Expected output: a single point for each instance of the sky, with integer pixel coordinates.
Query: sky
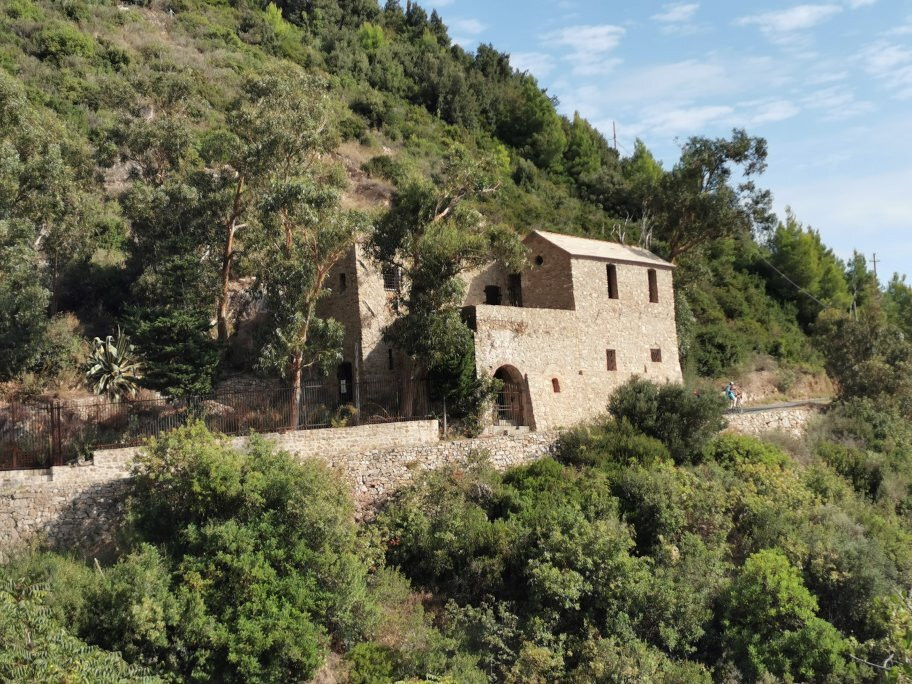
(828, 84)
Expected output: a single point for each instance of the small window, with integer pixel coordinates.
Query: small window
(655, 355)
(611, 359)
(514, 289)
(492, 295)
(392, 278)
(539, 260)
(390, 361)
(612, 281)
(343, 283)
(555, 385)
(653, 287)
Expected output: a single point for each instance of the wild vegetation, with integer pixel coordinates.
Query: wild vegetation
(161, 156)
(161, 160)
(649, 548)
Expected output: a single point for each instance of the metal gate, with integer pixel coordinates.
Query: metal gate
(508, 409)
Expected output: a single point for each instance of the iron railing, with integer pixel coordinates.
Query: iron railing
(42, 434)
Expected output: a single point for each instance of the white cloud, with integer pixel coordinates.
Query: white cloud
(855, 4)
(539, 64)
(680, 120)
(677, 12)
(836, 103)
(586, 38)
(471, 27)
(770, 112)
(589, 46)
(798, 18)
(891, 64)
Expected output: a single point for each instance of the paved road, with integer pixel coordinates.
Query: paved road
(782, 405)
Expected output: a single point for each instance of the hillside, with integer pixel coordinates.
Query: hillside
(119, 122)
(168, 166)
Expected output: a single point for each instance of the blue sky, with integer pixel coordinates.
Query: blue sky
(828, 84)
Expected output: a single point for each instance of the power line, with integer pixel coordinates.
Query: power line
(790, 280)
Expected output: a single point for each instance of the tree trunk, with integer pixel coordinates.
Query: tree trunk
(407, 398)
(222, 313)
(227, 258)
(296, 363)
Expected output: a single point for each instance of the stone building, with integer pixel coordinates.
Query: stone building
(581, 319)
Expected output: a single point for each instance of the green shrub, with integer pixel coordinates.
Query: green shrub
(264, 550)
(59, 41)
(863, 470)
(385, 167)
(372, 664)
(684, 422)
(35, 647)
(730, 450)
(771, 626)
(611, 443)
(179, 355)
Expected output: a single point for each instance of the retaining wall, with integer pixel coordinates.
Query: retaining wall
(793, 420)
(78, 507)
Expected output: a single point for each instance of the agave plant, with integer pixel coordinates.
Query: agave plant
(113, 368)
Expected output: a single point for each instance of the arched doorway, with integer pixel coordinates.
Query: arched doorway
(509, 408)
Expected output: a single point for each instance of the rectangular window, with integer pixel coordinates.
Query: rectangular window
(389, 359)
(392, 278)
(612, 281)
(343, 283)
(514, 289)
(656, 355)
(611, 359)
(653, 287)
(492, 295)
(555, 385)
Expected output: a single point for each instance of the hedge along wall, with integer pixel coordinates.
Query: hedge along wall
(79, 507)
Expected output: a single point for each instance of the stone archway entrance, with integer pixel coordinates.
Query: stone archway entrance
(510, 403)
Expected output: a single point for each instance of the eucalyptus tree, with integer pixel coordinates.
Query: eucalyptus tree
(277, 129)
(434, 232)
(306, 232)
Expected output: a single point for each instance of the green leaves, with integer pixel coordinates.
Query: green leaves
(113, 368)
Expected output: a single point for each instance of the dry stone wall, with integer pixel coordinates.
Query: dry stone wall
(78, 507)
(792, 420)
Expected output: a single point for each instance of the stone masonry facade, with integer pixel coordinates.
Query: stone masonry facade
(78, 508)
(582, 318)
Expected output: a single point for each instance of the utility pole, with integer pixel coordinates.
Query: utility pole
(874, 261)
(614, 135)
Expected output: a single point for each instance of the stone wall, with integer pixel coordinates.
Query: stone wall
(78, 507)
(792, 420)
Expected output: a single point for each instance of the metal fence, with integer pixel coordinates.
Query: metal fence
(39, 435)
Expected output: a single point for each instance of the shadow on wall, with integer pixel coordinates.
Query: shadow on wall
(89, 525)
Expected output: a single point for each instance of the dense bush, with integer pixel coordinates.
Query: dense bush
(682, 421)
(36, 647)
(178, 352)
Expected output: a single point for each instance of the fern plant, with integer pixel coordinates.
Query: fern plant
(113, 368)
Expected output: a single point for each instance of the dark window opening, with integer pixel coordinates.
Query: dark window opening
(343, 283)
(611, 359)
(612, 281)
(656, 355)
(389, 359)
(344, 375)
(539, 260)
(653, 287)
(555, 385)
(514, 289)
(492, 295)
(392, 278)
